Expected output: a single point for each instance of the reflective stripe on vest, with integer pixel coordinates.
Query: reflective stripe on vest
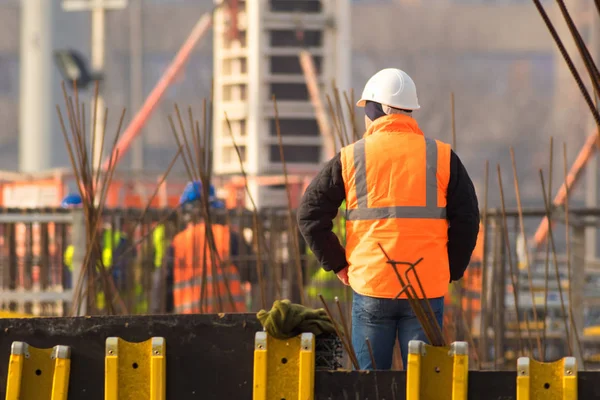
(395, 182)
(364, 212)
(110, 239)
(160, 244)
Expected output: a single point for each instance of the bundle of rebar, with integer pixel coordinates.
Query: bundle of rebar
(93, 192)
(93, 185)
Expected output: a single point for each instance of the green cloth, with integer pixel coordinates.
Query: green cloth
(287, 320)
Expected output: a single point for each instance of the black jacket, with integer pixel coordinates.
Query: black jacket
(325, 194)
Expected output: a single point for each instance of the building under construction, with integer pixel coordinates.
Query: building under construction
(523, 324)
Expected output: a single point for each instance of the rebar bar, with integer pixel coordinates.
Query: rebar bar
(347, 345)
(484, 281)
(568, 251)
(558, 281)
(570, 65)
(431, 330)
(453, 120)
(581, 46)
(547, 260)
(347, 330)
(255, 218)
(527, 260)
(292, 224)
(510, 261)
(373, 363)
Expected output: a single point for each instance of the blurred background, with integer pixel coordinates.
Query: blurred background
(510, 85)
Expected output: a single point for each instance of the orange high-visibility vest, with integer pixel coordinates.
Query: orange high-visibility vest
(396, 182)
(216, 288)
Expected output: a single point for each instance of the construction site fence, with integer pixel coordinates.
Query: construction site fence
(554, 283)
(33, 271)
(34, 276)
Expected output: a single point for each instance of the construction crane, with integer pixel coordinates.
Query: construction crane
(139, 120)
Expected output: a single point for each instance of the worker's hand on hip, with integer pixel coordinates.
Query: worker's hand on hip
(343, 276)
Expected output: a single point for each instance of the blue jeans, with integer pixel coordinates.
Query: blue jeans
(381, 321)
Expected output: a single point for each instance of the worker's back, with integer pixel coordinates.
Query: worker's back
(396, 182)
(216, 288)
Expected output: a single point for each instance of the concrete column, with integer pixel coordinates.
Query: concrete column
(36, 68)
(97, 62)
(256, 96)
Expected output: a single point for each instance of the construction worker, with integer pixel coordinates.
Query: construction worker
(409, 194)
(323, 282)
(195, 288)
(71, 201)
(160, 245)
(115, 250)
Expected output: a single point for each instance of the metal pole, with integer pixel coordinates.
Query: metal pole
(578, 282)
(35, 112)
(500, 326)
(98, 45)
(136, 54)
(591, 201)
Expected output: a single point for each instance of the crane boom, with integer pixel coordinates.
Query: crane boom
(586, 152)
(140, 119)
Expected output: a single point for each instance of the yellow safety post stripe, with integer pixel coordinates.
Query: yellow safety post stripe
(523, 379)
(38, 373)
(413, 369)
(459, 351)
(260, 366)
(554, 380)
(111, 369)
(306, 376)
(158, 375)
(437, 372)
(10, 314)
(135, 370)
(62, 368)
(15, 370)
(569, 378)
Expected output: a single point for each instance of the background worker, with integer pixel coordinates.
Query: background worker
(195, 288)
(409, 193)
(117, 257)
(71, 201)
(160, 275)
(324, 282)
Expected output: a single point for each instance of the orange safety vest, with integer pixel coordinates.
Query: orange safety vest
(396, 182)
(218, 287)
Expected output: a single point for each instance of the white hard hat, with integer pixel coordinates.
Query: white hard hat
(391, 87)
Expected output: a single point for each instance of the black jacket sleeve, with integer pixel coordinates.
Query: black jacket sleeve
(318, 208)
(462, 212)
